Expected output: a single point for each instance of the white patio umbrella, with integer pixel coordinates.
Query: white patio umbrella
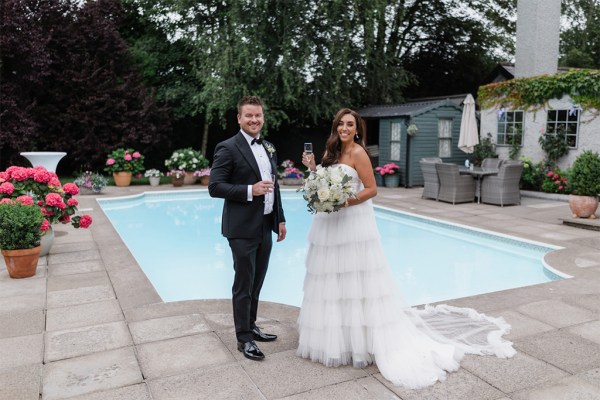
(469, 136)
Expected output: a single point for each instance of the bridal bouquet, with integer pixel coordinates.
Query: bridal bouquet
(327, 189)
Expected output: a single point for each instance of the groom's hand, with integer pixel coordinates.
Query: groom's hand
(261, 188)
(282, 232)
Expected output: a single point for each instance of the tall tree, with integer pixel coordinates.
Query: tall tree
(89, 99)
(580, 38)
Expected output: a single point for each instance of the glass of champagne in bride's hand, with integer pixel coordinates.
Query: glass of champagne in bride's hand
(308, 149)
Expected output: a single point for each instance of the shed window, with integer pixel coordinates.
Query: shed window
(566, 122)
(395, 141)
(445, 137)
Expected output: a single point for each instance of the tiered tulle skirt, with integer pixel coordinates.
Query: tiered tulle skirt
(353, 313)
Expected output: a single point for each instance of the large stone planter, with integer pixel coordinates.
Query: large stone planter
(583, 206)
(392, 180)
(46, 242)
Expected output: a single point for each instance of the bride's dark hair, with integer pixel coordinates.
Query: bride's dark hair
(333, 146)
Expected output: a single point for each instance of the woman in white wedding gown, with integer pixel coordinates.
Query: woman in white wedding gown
(353, 313)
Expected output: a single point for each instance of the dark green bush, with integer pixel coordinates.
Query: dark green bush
(485, 149)
(20, 226)
(584, 175)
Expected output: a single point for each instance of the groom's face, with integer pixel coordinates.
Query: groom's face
(251, 119)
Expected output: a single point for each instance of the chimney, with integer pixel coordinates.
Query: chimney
(538, 31)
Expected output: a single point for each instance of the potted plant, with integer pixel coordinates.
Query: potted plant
(153, 176)
(390, 173)
(177, 177)
(91, 182)
(43, 188)
(122, 164)
(203, 175)
(188, 160)
(584, 181)
(20, 237)
(289, 174)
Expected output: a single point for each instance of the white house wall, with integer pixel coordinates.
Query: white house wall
(535, 123)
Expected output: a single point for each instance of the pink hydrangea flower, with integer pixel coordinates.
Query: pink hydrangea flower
(85, 221)
(110, 161)
(127, 157)
(3, 176)
(136, 154)
(7, 188)
(45, 225)
(55, 200)
(71, 189)
(19, 174)
(26, 200)
(7, 201)
(72, 202)
(42, 176)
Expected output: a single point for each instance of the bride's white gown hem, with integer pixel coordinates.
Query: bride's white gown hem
(353, 313)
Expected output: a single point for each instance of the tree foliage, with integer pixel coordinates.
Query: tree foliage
(580, 39)
(68, 84)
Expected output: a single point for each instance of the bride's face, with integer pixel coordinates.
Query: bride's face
(346, 128)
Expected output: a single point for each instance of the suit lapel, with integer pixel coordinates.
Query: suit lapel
(244, 148)
(271, 158)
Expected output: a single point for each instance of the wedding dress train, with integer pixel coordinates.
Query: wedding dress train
(353, 313)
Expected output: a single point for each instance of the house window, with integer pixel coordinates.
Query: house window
(444, 137)
(565, 121)
(395, 141)
(510, 128)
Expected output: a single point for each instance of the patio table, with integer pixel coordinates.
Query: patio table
(479, 173)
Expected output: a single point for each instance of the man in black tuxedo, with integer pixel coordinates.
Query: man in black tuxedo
(243, 173)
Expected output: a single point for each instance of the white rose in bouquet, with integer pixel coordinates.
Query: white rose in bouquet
(327, 189)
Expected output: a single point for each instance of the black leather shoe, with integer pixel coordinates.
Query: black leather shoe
(260, 336)
(251, 351)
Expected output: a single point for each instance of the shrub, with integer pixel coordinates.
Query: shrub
(533, 174)
(555, 182)
(485, 149)
(20, 225)
(584, 174)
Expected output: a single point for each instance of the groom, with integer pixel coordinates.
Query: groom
(241, 174)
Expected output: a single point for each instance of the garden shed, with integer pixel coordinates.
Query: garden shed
(438, 128)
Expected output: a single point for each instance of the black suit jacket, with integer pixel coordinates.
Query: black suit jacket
(234, 168)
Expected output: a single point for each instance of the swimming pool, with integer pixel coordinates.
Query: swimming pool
(431, 260)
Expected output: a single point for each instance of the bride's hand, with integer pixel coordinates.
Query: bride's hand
(309, 161)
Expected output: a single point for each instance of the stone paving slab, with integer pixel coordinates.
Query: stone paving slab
(156, 329)
(21, 383)
(21, 324)
(284, 374)
(571, 388)
(89, 339)
(588, 330)
(91, 294)
(20, 287)
(91, 373)
(77, 267)
(557, 313)
(72, 247)
(559, 347)
(65, 282)
(21, 350)
(83, 315)
(350, 390)
(223, 383)
(509, 375)
(84, 255)
(522, 325)
(180, 355)
(134, 392)
(459, 385)
(23, 304)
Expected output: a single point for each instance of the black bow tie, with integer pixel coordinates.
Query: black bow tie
(255, 140)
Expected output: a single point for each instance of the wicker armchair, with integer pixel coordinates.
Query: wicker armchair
(454, 187)
(491, 163)
(431, 183)
(503, 188)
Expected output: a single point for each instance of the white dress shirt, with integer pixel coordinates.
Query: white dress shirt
(264, 165)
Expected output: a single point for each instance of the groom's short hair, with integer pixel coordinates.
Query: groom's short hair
(253, 100)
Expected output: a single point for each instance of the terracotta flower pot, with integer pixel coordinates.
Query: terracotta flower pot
(21, 263)
(177, 181)
(122, 178)
(204, 180)
(189, 178)
(583, 206)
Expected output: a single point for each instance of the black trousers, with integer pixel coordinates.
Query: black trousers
(250, 262)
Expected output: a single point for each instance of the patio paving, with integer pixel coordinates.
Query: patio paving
(89, 325)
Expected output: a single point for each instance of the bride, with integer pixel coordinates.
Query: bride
(353, 313)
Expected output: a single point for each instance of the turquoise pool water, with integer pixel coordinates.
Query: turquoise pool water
(431, 260)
